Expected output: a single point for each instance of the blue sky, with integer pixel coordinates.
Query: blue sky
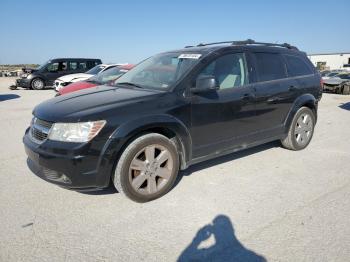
(129, 31)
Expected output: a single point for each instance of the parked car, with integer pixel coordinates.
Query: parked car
(324, 73)
(173, 110)
(103, 78)
(45, 74)
(72, 78)
(331, 74)
(339, 84)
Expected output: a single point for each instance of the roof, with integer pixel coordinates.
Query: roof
(68, 58)
(209, 49)
(246, 44)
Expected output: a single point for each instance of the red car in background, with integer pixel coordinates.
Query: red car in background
(103, 78)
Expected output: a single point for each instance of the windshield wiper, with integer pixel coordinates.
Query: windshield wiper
(129, 84)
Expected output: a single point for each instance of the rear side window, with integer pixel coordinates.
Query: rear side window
(270, 66)
(91, 64)
(82, 65)
(297, 66)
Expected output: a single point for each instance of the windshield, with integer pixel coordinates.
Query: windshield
(44, 65)
(160, 71)
(333, 74)
(108, 75)
(95, 70)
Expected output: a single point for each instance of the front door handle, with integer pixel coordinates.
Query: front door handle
(247, 97)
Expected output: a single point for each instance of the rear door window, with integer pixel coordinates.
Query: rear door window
(297, 66)
(73, 66)
(270, 66)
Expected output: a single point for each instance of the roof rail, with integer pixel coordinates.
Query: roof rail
(251, 42)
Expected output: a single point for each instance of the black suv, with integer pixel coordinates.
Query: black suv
(46, 74)
(173, 110)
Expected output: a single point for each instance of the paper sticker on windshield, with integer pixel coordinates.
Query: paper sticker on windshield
(190, 56)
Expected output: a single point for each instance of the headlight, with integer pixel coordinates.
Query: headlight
(75, 132)
(24, 75)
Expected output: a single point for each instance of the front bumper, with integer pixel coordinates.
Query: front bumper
(60, 84)
(332, 88)
(70, 165)
(23, 82)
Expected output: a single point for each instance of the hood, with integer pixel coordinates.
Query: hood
(29, 70)
(76, 86)
(334, 81)
(90, 104)
(74, 77)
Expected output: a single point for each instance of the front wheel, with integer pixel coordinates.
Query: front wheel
(37, 84)
(301, 130)
(147, 169)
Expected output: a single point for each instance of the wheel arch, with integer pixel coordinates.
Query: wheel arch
(307, 100)
(37, 77)
(166, 125)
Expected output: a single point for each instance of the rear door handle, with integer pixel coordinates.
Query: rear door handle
(292, 88)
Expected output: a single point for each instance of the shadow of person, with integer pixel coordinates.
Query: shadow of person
(345, 106)
(226, 248)
(8, 97)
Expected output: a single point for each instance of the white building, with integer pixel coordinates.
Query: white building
(331, 61)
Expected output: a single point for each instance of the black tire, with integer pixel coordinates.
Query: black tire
(37, 84)
(290, 142)
(122, 178)
(346, 90)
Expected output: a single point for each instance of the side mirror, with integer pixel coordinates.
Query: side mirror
(204, 84)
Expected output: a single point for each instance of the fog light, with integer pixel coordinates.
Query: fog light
(56, 176)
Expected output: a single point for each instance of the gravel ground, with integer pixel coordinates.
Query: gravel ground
(265, 203)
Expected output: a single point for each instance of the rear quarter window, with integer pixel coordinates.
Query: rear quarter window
(296, 66)
(270, 66)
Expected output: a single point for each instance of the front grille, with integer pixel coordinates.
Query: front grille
(43, 123)
(39, 130)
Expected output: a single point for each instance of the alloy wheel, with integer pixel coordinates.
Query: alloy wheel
(151, 169)
(303, 129)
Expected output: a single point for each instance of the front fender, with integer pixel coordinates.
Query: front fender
(305, 100)
(129, 130)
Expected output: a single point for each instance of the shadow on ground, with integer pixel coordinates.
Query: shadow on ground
(105, 191)
(226, 247)
(345, 106)
(8, 97)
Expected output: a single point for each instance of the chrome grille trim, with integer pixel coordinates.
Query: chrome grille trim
(39, 130)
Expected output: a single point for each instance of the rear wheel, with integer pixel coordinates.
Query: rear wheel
(301, 130)
(147, 168)
(346, 89)
(37, 84)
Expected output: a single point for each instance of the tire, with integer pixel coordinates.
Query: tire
(346, 90)
(37, 84)
(301, 130)
(144, 177)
